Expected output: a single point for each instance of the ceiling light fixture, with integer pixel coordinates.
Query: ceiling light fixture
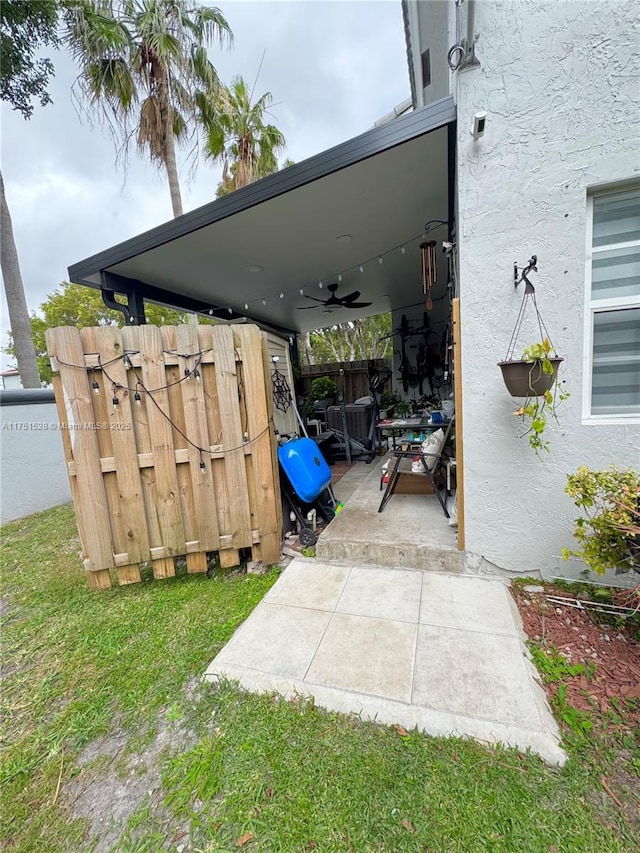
(254, 268)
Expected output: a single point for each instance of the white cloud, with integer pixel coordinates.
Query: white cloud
(333, 68)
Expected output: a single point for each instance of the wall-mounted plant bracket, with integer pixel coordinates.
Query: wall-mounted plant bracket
(520, 273)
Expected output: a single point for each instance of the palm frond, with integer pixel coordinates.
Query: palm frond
(151, 133)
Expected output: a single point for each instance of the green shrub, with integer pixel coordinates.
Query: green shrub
(608, 535)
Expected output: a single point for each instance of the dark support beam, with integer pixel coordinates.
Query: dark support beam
(138, 291)
(133, 311)
(451, 166)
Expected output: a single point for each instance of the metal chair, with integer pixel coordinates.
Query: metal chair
(431, 462)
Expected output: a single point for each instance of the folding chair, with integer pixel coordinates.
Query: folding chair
(431, 462)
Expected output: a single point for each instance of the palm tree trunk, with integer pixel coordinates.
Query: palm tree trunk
(169, 147)
(16, 302)
(172, 171)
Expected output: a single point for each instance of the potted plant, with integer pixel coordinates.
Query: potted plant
(404, 409)
(323, 390)
(538, 383)
(388, 403)
(533, 375)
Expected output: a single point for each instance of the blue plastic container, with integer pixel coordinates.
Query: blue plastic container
(305, 467)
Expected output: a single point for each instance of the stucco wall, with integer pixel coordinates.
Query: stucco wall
(33, 472)
(557, 82)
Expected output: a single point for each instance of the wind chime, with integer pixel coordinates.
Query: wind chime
(428, 252)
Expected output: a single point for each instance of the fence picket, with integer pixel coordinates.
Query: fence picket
(65, 346)
(138, 489)
(232, 437)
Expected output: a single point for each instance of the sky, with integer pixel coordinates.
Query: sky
(333, 67)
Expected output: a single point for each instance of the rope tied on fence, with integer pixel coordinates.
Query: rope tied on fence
(149, 392)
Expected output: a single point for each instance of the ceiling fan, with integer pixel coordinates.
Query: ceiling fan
(334, 302)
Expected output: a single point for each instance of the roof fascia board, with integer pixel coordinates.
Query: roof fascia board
(372, 142)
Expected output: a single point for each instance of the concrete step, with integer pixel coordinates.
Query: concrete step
(412, 532)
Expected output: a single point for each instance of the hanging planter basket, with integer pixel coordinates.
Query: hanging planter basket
(529, 378)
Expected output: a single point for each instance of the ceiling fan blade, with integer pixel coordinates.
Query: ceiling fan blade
(315, 298)
(307, 307)
(358, 304)
(350, 296)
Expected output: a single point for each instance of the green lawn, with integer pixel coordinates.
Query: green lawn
(274, 775)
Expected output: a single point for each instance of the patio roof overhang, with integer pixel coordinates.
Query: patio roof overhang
(280, 235)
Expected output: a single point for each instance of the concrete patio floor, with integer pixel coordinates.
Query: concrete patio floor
(444, 653)
(412, 531)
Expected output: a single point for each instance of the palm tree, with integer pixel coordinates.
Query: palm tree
(237, 136)
(25, 350)
(142, 62)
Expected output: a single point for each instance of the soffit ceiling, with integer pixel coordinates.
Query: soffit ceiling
(382, 202)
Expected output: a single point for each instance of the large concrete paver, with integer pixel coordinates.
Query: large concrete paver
(443, 653)
(373, 656)
(376, 592)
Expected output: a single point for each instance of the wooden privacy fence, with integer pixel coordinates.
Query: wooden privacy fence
(170, 447)
(356, 375)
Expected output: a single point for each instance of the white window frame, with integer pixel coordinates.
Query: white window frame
(596, 306)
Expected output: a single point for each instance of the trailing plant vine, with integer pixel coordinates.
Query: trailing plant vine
(536, 409)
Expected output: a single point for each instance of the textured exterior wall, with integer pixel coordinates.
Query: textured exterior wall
(34, 473)
(559, 83)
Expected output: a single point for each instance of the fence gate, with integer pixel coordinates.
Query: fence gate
(170, 447)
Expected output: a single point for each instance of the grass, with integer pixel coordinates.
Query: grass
(274, 775)
(85, 658)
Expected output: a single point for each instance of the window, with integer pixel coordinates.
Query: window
(612, 341)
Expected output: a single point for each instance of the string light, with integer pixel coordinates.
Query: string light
(380, 259)
(264, 301)
(95, 386)
(246, 307)
(361, 268)
(230, 310)
(211, 312)
(137, 397)
(203, 467)
(339, 277)
(302, 291)
(403, 250)
(320, 285)
(282, 296)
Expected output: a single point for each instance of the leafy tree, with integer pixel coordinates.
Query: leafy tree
(25, 27)
(80, 306)
(354, 340)
(142, 62)
(237, 136)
